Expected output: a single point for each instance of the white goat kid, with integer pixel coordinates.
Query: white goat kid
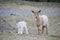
(21, 25)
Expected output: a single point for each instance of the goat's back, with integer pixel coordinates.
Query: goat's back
(45, 19)
(21, 23)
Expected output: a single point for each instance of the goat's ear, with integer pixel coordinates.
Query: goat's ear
(32, 11)
(39, 11)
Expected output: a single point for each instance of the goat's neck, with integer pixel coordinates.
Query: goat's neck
(38, 19)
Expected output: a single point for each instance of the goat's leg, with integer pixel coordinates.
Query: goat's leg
(21, 30)
(38, 27)
(42, 29)
(39, 30)
(46, 30)
(26, 30)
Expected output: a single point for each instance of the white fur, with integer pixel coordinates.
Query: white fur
(21, 25)
(45, 20)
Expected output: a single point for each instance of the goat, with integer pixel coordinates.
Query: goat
(41, 22)
(21, 25)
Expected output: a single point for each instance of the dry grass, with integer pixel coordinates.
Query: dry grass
(54, 31)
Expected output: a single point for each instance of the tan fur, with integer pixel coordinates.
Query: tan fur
(39, 22)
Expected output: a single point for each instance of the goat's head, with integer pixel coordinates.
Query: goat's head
(36, 14)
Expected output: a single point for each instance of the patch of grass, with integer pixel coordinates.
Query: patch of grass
(32, 28)
(55, 36)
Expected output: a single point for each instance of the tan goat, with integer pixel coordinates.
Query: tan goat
(41, 22)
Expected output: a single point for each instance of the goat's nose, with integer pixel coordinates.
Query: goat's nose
(36, 17)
